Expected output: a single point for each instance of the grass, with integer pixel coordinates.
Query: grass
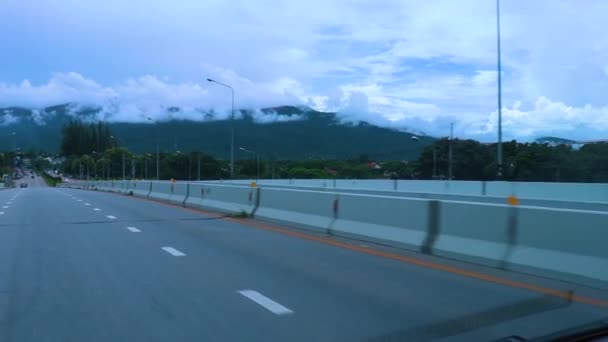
(50, 181)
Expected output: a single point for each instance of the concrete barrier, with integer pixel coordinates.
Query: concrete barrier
(300, 208)
(140, 188)
(600, 206)
(572, 192)
(474, 231)
(179, 193)
(569, 242)
(398, 221)
(223, 198)
(562, 243)
(161, 191)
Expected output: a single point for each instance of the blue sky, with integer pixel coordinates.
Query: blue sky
(416, 64)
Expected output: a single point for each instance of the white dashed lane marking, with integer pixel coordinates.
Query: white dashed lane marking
(134, 230)
(266, 302)
(173, 251)
(111, 217)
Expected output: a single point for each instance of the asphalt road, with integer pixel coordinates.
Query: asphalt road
(36, 182)
(91, 266)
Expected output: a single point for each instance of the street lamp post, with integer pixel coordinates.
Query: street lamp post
(257, 156)
(450, 151)
(434, 162)
(199, 167)
(146, 165)
(231, 126)
(499, 67)
(157, 155)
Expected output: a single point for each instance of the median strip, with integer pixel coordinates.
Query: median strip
(266, 302)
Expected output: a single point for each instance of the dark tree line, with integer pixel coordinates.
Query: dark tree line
(521, 161)
(80, 138)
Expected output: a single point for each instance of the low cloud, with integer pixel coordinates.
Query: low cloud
(137, 99)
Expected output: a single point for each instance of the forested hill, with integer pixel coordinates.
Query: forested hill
(282, 132)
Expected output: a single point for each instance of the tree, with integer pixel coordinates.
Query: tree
(78, 139)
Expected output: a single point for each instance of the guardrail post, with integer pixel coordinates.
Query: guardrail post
(483, 188)
(433, 227)
(256, 203)
(187, 194)
(395, 184)
(512, 223)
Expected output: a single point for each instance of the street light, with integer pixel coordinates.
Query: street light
(499, 147)
(257, 155)
(231, 127)
(157, 155)
(450, 151)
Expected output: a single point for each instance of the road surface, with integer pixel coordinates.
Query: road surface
(90, 266)
(36, 182)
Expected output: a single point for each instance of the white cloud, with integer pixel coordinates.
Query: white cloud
(547, 117)
(395, 62)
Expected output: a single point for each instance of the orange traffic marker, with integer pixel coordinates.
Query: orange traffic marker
(512, 200)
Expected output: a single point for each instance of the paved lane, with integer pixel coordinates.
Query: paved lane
(92, 266)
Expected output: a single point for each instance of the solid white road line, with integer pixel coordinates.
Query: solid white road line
(111, 217)
(134, 230)
(97, 209)
(266, 302)
(173, 251)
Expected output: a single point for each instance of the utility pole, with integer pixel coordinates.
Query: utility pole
(450, 176)
(123, 166)
(132, 168)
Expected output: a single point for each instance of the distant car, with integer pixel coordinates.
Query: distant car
(24, 185)
(32, 176)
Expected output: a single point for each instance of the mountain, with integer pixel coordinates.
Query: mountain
(285, 132)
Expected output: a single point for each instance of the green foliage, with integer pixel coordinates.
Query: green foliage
(50, 181)
(78, 138)
(522, 162)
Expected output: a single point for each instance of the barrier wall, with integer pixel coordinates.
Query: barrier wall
(307, 209)
(140, 188)
(161, 191)
(227, 199)
(574, 192)
(179, 193)
(401, 221)
(562, 243)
